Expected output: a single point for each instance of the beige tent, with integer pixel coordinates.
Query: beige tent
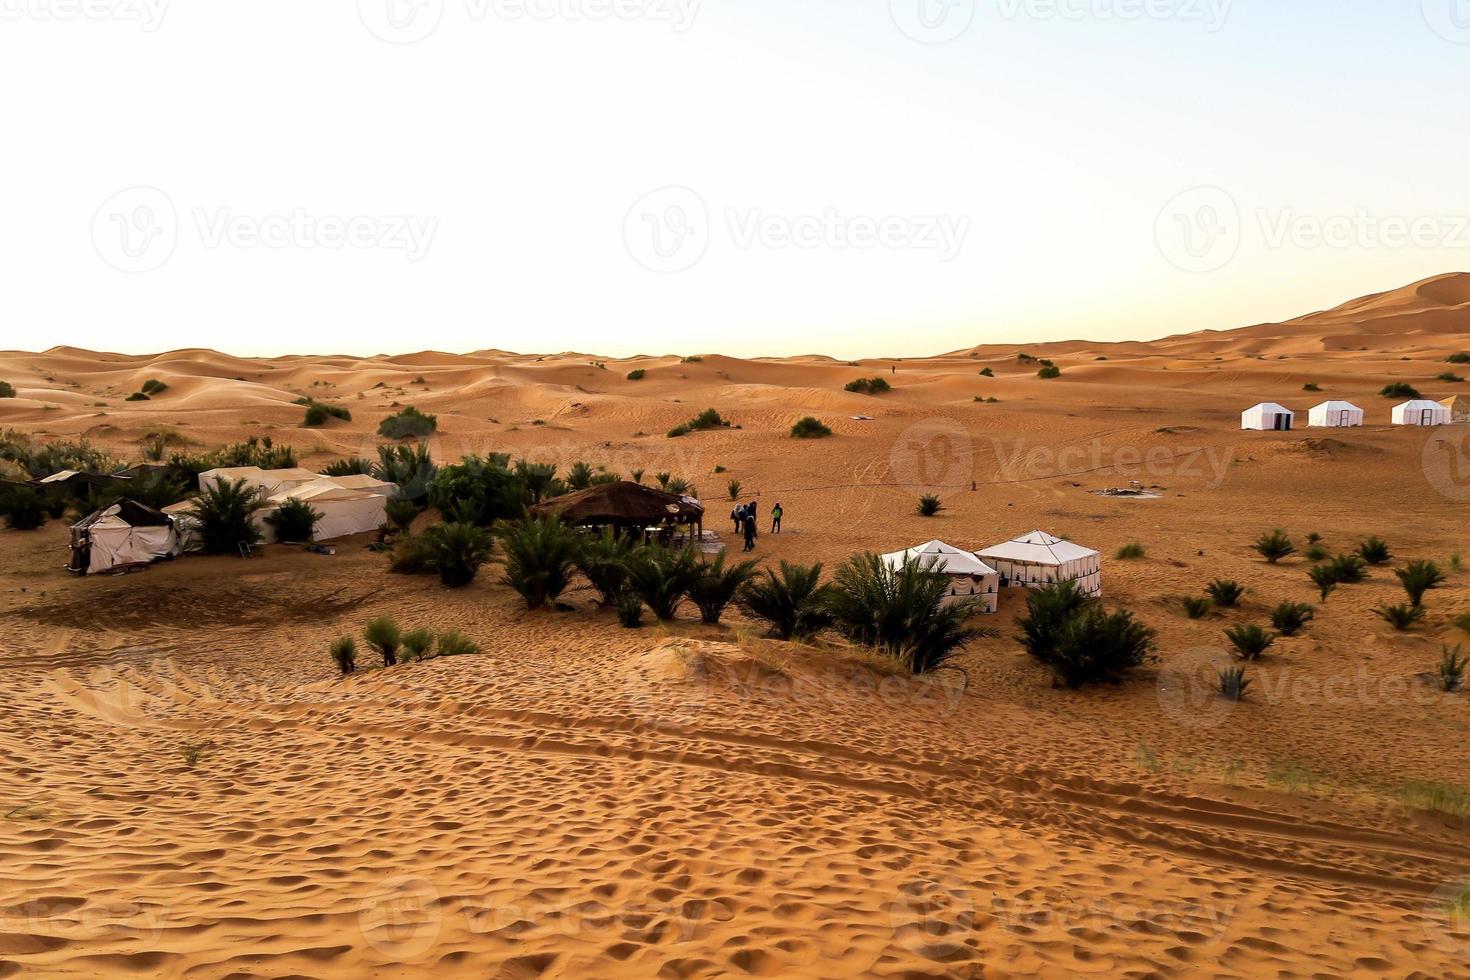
(366, 483)
(1038, 559)
(127, 533)
(970, 577)
(343, 511)
(268, 482)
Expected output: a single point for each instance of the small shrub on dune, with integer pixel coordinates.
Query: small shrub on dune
(662, 578)
(901, 612)
(603, 559)
(1049, 372)
(1400, 390)
(1349, 569)
(1418, 577)
(416, 645)
(7, 390)
(456, 552)
(400, 513)
(1401, 617)
(158, 490)
(1324, 577)
(630, 611)
(1226, 593)
(1233, 684)
(793, 604)
(987, 373)
(24, 509)
(1461, 358)
(1289, 618)
(1451, 669)
(137, 396)
(1310, 386)
(153, 387)
(410, 468)
(810, 428)
(717, 584)
(318, 414)
(383, 638)
(410, 423)
(1274, 546)
(224, 510)
(1250, 641)
(637, 375)
(704, 421)
(353, 466)
(1462, 622)
(1375, 551)
(1196, 607)
(1079, 641)
(456, 644)
(294, 521)
(344, 654)
(1450, 377)
(734, 488)
(869, 386)
(930, 505)
(1132, 551)
(1316, 552)
(539, 557)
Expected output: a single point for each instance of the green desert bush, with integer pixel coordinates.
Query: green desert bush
(352, 466)
(987, 373)
(225, 511)
(1461, 358)
(603, 560)
(901, 612)
(1399, 390)
(717, 584)
(1418, 577)
(410, 468)
(1234, 684)
(24, 508)
(734, 488)
(1274, 546)
(930, 505)
(153, 387)
(1132, 551)
(454, 551)
(318, 414)
(1451, 669)
(344, 654)
(416, 645)
(294, 521)
(478, 490)
(708, 419)
(1375, 551)
(1196, 607)
(456, 644)
(662, 578)
(630, 611)
(1290, 618)
(7, 390)
(539, 555)
(400, 512)
(1349, 569)
(1324, 577)
(810, 428)
(637, 375)
(158, 490)
(137, 396)
(1226, 593)
(1250, 641)
(384, 638)
(410, 423)
(1450, 377)
(1079, 641)
(792, 604)
(1401, 617)
(869, 386)
(1048, 372)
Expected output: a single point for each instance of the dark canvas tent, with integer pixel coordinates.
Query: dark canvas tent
(126, 533)
(625, 506)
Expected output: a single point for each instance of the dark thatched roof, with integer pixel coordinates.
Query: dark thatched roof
(621, 504)
(134, 513)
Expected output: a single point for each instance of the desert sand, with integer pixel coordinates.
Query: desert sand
(584, 801)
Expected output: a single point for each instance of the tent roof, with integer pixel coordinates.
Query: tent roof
(1038, 548)
(322, 489)
(1271, 407)
(360, 481)
(255, 473)
(1337, 406)
(128, 512)
(621, 503)
(1420, 405)
(943, 557)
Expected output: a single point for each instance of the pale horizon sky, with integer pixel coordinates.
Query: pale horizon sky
(859, 178)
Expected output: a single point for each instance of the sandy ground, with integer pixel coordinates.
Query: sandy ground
(580, 800)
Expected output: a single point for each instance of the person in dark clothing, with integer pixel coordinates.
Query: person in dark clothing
(776, 514)
(737, 514)
(750, 532)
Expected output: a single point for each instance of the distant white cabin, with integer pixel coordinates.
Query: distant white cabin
(1335, 415)
(1268, 417)
(1038, 559)
(1421, 412)
(969, 576)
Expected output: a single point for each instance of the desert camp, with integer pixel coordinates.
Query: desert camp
(1039, 559)
(1336, 415)
(1421, 412)
(1268, 417)
(972, 579)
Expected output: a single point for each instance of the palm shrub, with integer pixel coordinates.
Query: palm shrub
(1451, 669)
(662, 578)
(793, 604)
(1079, 641)
(1324, 577)
(1418, 577)
(1289, 618)
(1316, 552)
(224, 511)
(1375, 551)
(158, 490)
(1225, 592)
(1196, 607)
(929, 505)
(409, 423)
(1234, 683)
(539, 479)
(400, 512)
(344, 654)
(539, 555)
(410, 468)
(1274, 546)
(416, 645)
(901, 612)
(1250, 641)
(24, 509)
(603, 560)
(456, 552)
(1401, 617)
(1131, 552)
(294, 521)
(630, 611)
(717, 585)
(1349, 569)
(352, 466)
(383, 638)
(456, 644)
(734, 489)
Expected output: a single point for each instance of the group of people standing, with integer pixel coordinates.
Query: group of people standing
(746, 520)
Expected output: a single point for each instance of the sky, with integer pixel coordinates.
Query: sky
(857, 178)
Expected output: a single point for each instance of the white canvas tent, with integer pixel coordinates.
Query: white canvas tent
(127, 533)
(364, 482)
(970, 576)
(1335, 415)
(1421, 412)
(268, 482)
(1268, 417)
(343, 511)
(1039, 559)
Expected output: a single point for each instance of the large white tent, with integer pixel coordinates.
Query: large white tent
(1039, 559)
(1421, 412)
(268, 482)
(1335, 415)
(344, 511)
(127, 533)
(1268, 417)
(970, 577)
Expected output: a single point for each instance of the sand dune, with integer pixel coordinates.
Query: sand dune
(582, 800)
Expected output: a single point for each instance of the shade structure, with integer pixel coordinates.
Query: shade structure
(343, 511)
(1335, 415)
(1039, 559)
(126, 533)
(622, 505)
(1459, 407)
(268, 482)
(970, 577)
(1421, 412)
(1268, 417)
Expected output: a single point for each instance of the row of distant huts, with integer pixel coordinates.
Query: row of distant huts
(1269, 416)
